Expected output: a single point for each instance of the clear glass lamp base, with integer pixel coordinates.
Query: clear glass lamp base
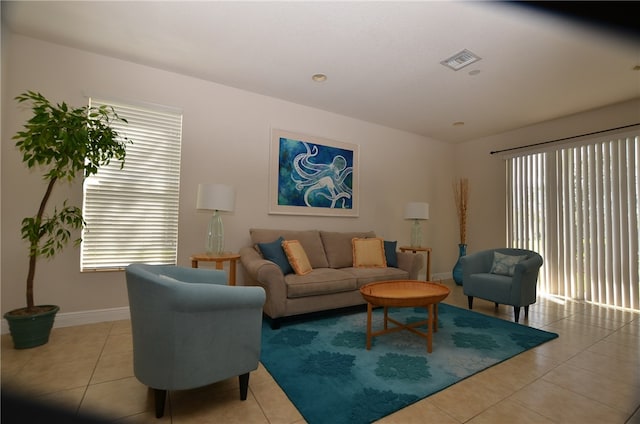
(215, 235)
(416, 234)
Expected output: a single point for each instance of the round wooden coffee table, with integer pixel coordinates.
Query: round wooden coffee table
(404, 293)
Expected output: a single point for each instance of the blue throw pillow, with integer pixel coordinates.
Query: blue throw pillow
(390, 253)
(505, 264)
(275, 253)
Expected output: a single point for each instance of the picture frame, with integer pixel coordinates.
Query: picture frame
(312, 176)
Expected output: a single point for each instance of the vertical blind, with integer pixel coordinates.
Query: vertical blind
(578, 207)
(131, 213)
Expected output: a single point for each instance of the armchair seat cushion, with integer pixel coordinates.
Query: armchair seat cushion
(495, 287)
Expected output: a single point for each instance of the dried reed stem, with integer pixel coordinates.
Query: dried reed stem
(461, 194)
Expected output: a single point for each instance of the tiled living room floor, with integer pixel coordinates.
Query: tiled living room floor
(590, 374)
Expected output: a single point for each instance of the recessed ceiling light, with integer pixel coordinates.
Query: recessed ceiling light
(460, 60)
(319, 77)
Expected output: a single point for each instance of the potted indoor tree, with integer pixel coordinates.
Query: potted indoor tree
(61, 141)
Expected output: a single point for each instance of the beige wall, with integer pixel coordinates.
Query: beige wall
(487, 173)
(226, 136)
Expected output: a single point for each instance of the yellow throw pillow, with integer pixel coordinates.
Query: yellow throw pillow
(368, 253)
(297, 257)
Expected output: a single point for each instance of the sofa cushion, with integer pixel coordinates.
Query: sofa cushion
(338, 247)
(274, 252)
(371, 275)
(505, 264)
(297, 257)
(319, 281)
(391, 253)
(368, 253)
(310, 240)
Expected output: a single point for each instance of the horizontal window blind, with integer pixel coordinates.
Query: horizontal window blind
(131, 213)
(578, 207)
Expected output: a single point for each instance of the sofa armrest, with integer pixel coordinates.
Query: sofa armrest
(410, 262)
(260, 269)
(266, 274)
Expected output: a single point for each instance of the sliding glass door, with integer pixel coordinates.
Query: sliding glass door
(578, 207)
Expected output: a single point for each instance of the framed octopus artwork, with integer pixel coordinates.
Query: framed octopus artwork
(312, 176)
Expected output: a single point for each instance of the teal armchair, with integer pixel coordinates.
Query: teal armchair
(510, 280)
(190, 329)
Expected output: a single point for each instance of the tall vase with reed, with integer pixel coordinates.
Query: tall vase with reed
(461, 194)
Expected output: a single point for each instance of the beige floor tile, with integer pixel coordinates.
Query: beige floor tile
(117, 399)
(211, 404)
(144, 418)
(618, 348)
(564, 406)
(118, 343)
(603, 321)
(275, 404)
(514, 374)
(68, 352)
(80, 335)
(121, 327)
(621, 396)
(113, 367)
(578, 331)
(260, 375)
(12, 360)
(477, 398)
(419, 413)
(625, 337)
(508, 411)
(66, 399)
(625, 371)
(38, 378)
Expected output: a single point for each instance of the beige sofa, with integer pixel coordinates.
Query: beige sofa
(333, 282)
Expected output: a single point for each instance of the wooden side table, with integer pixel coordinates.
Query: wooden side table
(232, 258)
(420, 249)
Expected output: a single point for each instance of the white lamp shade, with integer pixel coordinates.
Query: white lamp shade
(416, 210)
(216, 197)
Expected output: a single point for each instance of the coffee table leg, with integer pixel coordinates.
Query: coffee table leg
(369, 310)
(430, 328)
(435, 318)
(386, 317)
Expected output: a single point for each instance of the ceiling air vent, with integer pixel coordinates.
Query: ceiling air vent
(460, 60)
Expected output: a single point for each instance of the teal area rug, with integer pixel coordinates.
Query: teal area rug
(324, 368)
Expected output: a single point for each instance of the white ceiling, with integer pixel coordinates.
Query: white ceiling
(382, 59)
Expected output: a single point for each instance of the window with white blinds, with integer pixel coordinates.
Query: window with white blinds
(578, 207)
(131, 213)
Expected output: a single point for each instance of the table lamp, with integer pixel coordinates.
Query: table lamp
(216, 198)
(418, 211)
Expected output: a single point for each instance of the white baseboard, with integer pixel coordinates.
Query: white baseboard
(70, 319)
(441, 276)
